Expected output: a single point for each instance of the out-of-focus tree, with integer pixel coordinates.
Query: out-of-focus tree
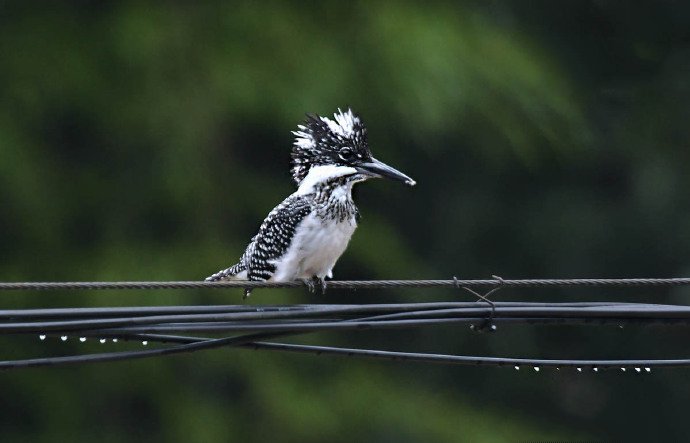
(146, 141)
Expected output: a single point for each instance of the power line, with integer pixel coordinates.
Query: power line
(249, 326)
(350, 284)
(326, 317)
(192, 344)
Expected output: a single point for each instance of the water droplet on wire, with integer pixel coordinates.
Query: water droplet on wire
(579, 369)
(102, 340)
(42, 337)
(648, 369)
(144, 342)
(536, 368)
(517, 367)
(638, 369)
(82, 339)
(63, 338)
(114, 340)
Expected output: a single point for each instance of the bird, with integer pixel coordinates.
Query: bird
(303, 237)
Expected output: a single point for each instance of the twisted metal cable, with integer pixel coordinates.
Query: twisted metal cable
(348, 284)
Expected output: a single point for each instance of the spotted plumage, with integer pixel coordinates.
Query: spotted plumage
(271, 242)
(303, 237)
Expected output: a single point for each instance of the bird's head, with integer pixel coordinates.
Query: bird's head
(342, 141)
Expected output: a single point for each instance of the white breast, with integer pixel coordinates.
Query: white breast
(316, 247)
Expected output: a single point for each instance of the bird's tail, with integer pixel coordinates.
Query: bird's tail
(234, 272)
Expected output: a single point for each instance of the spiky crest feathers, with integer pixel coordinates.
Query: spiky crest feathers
(320, 140)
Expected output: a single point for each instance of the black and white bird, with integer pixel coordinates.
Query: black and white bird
(303, 237)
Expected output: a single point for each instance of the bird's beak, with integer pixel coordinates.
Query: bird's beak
(376, 168)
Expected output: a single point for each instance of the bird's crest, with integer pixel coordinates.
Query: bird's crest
(324, 141)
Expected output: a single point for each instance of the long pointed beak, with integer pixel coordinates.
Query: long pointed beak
(376, 168)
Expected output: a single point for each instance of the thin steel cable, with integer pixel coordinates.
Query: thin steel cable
(350, 284)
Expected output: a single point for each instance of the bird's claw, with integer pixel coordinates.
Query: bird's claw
(313, 283)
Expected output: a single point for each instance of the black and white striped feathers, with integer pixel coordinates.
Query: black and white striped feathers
(270, 243)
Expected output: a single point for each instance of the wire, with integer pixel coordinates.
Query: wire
(197, 345)
(473, 360)
(250, 325)
(191, 344)
(297, 310)
(350, 284)
(260, 322)
(326, 317)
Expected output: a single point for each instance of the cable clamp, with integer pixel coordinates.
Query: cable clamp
(487, 324)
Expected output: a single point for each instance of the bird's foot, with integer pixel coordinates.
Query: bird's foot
(310, 284)
(322, 284)
(315, 282)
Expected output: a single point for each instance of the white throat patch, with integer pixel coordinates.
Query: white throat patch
(321, 174)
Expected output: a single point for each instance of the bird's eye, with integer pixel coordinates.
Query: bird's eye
(346, 154)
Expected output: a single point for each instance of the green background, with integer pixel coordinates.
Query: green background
(147, 140)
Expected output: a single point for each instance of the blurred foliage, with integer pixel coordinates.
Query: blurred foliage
(141, 140)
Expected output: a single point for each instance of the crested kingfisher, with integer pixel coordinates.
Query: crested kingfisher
(303, 237)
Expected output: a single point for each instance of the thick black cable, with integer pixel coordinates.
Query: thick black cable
(334, 318)
(147, 323)
(386, 319)
(637, 365)
(191, 344)
(296, 310)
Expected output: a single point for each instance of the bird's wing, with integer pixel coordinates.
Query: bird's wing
(274, 237)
